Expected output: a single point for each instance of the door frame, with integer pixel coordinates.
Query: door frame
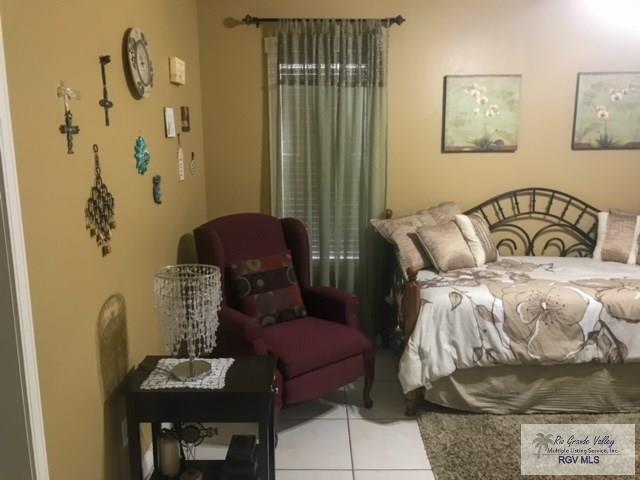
(21, 295)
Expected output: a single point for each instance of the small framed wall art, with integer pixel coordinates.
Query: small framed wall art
(481, 113)
(169, 122)
(185, 119)
(177, 71)
(607, 111)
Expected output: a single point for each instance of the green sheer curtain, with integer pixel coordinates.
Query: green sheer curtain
(328, 129)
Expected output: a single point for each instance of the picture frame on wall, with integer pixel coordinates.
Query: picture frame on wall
(607, 111)
(481, 113)
(185, 119)
(169, 122)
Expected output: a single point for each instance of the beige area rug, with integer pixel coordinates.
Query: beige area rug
(468, 446)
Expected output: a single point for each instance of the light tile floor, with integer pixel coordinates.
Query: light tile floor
(336, 438)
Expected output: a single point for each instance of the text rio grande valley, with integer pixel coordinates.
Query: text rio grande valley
(582, 450)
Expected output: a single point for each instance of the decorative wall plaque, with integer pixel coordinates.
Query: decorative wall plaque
(185, 119)
(169, 122)
(180, 160)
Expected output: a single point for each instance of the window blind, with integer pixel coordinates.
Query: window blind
(299, 179)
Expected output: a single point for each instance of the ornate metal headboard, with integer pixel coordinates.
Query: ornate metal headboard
(539, 221)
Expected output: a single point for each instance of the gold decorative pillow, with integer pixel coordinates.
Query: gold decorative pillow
(442, 213)
(401, 232)
(476, 233)
(617, 239)
(446, 247)
(409, 249)
(388, 226)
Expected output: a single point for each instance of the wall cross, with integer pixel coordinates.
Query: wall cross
(68, 128)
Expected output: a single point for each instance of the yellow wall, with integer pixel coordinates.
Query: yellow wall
(547, 41)
(47, 41)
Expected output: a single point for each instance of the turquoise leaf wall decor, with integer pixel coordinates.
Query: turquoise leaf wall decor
(143, 155)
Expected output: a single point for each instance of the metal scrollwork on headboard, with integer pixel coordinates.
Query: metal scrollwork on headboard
(540, 221)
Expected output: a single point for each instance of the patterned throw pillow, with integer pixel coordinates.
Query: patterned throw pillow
(617, 240)
(268, 288)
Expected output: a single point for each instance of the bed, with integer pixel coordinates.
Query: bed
(544, 328)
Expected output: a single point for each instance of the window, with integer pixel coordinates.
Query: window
(302, 177)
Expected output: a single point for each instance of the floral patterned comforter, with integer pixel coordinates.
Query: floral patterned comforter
(524, 310)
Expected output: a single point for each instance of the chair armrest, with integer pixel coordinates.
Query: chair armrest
(239, 334)
(331, 303)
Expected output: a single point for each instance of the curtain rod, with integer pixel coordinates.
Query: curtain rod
(249, 20)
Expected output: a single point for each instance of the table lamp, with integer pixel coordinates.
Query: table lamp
(187, 300)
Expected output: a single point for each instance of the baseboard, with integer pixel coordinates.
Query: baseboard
(147, 463)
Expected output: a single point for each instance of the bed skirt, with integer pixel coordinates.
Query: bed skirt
(594, 388)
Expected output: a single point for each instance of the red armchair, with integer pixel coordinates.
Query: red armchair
(317, 353)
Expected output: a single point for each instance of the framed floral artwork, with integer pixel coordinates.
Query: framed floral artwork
(607, 111)
(481, 113)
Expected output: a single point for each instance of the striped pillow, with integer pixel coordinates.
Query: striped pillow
(617, 237)
(476, 233)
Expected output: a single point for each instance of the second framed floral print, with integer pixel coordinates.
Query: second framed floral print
(607, 112)
(481, 113)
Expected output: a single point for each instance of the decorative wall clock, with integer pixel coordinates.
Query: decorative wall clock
(138, 61)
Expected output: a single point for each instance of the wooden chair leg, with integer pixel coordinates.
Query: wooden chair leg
(411, 403)
(366, 394)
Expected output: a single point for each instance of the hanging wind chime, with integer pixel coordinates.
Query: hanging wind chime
(99, 213)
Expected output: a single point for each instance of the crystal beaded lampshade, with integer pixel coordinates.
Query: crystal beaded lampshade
(187, 300)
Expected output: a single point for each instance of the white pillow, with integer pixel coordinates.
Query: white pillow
(476, 233)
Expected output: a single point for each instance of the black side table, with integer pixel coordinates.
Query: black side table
(246, 398)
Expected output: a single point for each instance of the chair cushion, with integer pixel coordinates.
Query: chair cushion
(310, 343)
(268, 289)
